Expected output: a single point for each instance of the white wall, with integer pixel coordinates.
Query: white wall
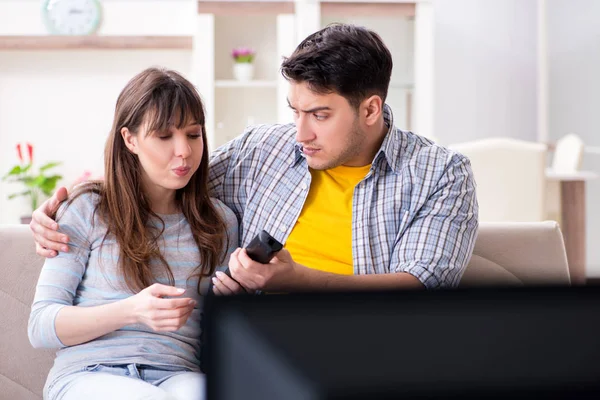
(486, 78)
(63, 101)
(574, 93)
(120, 17)
(485, 69)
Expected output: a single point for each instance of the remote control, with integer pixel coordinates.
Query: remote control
(263, 247)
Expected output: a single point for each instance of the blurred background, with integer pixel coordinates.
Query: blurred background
(514, 84)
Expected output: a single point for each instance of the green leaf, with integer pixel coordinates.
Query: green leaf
(15, 171)
(28, 181)
(49, 184)
(26, 168)
(38, 181)
(49, 165)
(12, 196)
(18, 172)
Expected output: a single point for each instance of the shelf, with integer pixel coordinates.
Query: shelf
(245, 84)
(365, 7)
(328, 7)
(94, 42)
(245, 8)
(570, 176)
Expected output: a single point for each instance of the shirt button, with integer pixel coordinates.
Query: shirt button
(282, 228)
(303, 186)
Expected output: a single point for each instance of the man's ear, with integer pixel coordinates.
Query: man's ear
(372, 109)
(129, 139)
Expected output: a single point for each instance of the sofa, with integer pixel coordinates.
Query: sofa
(23, 369)
(518, 254)
(505, 254)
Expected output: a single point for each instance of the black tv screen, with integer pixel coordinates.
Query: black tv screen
(533, 342)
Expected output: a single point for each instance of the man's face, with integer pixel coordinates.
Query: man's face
(327, 128)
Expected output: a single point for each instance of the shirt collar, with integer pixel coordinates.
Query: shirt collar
(392, 142)
(297, 156)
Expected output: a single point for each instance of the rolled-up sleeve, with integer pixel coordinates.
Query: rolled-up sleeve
(438, 243)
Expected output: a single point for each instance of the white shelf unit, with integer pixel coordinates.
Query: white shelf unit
(231, 104)
(274, 28)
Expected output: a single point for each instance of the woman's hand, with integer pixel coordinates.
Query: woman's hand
(223, 284)
(151, 308)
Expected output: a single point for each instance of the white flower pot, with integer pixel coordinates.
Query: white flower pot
(243, 71)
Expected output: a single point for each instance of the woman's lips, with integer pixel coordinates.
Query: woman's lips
(181, 171)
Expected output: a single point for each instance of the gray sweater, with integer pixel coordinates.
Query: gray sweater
(87, 276)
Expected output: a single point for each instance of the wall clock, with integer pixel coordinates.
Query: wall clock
(72, 17)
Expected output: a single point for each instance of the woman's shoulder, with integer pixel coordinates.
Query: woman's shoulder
(82, 203)
(225, 212)
(77, 217)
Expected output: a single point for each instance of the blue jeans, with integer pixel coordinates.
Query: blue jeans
(127, 382)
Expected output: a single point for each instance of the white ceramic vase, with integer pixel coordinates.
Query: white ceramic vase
(243, 71)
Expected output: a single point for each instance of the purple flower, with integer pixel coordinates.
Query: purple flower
(242, 54)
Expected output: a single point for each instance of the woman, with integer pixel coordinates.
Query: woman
(123, 302)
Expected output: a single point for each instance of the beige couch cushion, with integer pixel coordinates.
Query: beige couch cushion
(518, 253)
(23, 369)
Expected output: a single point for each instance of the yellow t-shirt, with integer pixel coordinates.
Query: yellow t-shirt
(322, 236)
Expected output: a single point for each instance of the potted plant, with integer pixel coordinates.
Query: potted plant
(243, 69)
(36, 184)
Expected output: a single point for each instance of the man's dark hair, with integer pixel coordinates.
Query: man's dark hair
(349, 60)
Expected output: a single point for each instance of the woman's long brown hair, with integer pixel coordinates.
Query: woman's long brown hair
(155, 99)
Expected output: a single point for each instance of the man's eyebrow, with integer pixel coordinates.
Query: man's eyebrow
(312, 110)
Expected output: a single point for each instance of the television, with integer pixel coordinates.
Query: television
(469, 343)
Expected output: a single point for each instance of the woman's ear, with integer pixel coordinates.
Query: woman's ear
(129, 139)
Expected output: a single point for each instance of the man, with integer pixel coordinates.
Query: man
(358, 203)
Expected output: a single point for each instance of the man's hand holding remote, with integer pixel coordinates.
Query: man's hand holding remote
(279, 275)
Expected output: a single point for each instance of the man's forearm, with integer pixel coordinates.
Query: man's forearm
(310, 279)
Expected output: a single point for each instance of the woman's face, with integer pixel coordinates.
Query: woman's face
(168, 159)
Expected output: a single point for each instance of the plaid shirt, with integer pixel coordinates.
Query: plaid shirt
(415, 211)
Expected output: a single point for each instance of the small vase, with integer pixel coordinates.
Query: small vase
(243, 71)
(26, 219)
